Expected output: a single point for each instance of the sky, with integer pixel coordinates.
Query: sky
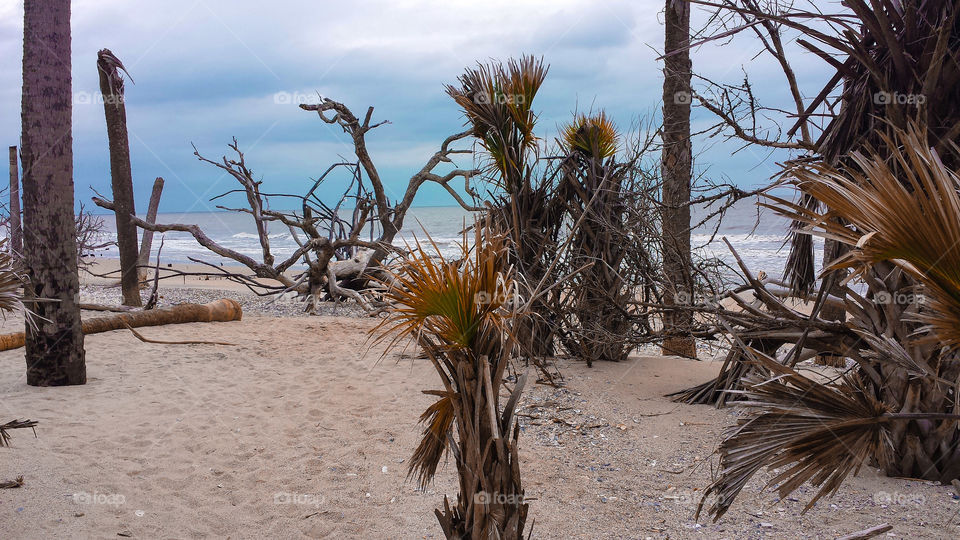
(205, 71)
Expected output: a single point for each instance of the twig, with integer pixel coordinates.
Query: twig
(867, 533)
(157, 341)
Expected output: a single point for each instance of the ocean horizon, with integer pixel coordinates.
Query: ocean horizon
(757, 235)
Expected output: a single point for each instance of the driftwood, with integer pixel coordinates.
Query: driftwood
(145, 339)
(867, 533)
(223, 310)
(146, 242)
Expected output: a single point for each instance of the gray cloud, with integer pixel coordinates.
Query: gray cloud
(208, 70)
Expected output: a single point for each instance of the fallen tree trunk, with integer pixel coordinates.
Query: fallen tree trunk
(223, 310)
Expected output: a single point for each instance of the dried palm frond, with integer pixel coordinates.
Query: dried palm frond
(905, 209)
(821, 433)
(15, 483)
(812, 431)
(14, 424)
(439, 419)
(11, 283)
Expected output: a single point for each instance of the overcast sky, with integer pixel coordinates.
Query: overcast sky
(205, 71)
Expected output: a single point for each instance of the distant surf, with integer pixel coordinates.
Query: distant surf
(758, 238)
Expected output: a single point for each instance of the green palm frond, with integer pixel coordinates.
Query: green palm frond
(498, 103)
(592, 136)
(448, 301)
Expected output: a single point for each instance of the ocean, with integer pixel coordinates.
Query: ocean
(757, 234)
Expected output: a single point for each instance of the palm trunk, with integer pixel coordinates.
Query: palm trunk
(921, 448)
(54, 348)
(16, 232)
(676, 170)
(111, 86)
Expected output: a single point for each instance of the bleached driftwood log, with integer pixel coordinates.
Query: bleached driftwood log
(223, 310)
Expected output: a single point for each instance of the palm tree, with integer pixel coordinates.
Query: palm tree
(54, 349)
(902, 217)
(461, 313)
(497, 101)
(676, 171)
(598, 321)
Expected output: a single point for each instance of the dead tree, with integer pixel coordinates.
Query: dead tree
(121, 178)
(328, 244)
(390, 214)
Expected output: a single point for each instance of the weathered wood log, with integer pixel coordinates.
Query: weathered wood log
(223, 310)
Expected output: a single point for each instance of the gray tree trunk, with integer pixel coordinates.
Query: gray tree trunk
(676, 171)
(111, 86)
(16, 232)
(146, 242)
(54, 349)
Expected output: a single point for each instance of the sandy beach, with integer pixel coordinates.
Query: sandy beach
(300, 430)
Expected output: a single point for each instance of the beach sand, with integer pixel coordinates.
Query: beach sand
(297, 430)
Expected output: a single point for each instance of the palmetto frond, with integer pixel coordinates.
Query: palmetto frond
(439, 418)
(904, 209)
(11, 282)
(498, 103)
(448, 301)
(458, 312)
(592, 136)
(816, 432)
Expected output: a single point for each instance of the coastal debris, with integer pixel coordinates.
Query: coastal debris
(223, 310)
(867, 533)
(14, 424)
(17, 482)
